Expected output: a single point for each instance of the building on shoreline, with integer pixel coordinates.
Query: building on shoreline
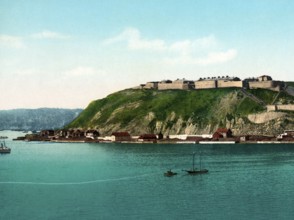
(221, 135)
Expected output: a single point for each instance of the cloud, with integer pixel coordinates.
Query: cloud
(80, 71)
(218, 57)
(200, 51)
(26, 72)
(49, 35)
(16, 42)
(210, 58)
(84, 71)
(11, 42)
(135, 42)
(186, 47)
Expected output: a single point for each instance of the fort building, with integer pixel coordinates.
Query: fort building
(229, 82)
(265, 82)
(150, 85)
(218, 82)
(206, 83)
(181, 84)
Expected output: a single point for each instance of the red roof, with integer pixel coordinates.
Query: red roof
(148, 136)
(121, 134)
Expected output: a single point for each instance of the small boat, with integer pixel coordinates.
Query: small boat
(4, 149)
(194, 170)
(169, 173)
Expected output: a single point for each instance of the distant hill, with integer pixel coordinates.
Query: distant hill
(187, 112)
(36, 119)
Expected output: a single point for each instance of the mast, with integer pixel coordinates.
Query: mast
(193, 160)
(200, 161)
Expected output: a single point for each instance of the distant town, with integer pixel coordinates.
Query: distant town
(220, 136)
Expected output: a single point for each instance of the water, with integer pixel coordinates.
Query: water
(125, 181)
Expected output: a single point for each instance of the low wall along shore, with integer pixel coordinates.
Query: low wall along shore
(280, 107)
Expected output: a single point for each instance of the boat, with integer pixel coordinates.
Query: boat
(169, 173)
(194, 170)
(4, 149)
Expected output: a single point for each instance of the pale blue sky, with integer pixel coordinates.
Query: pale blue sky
(68, 53)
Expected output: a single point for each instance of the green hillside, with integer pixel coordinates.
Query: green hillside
(171, 111)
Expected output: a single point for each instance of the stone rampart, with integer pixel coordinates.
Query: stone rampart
(261, 84)
(166, 86)
(280, 107)
(151, 85)
(272, 85)
(205, 84)
(227, 84)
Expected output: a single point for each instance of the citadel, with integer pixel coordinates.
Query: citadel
(263, 82)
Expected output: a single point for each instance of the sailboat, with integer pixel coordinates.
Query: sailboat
(194, 170)
(4, 149)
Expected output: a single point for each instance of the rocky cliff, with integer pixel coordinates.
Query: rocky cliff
(186, 112)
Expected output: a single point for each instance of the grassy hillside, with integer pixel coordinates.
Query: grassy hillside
(129, 109)
(269, 96)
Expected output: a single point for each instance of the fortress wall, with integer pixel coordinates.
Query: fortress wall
(277, 88)
(280, 107)
(261, 84)
(285, 107)
(165, 86)
(272, 85)
(271, 108)
(151, 85)
(206, 84)
(225, 84)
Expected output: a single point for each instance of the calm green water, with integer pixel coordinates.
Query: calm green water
(123, 181)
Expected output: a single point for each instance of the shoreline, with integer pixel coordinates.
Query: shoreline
(153, 139)
(160, 142)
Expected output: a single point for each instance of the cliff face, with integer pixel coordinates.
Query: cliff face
(185, 112)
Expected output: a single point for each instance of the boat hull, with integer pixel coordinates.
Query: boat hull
(169, 174)
(5, 150)
(195, 172)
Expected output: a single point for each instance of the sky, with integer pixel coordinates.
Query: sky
(67, 53)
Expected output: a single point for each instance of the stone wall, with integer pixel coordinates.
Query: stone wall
(226, 84)
(272, 85)
(280, 107)
(261, 84)
(271, 108)
(165, 86)
(151, 85)
(205, 84)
